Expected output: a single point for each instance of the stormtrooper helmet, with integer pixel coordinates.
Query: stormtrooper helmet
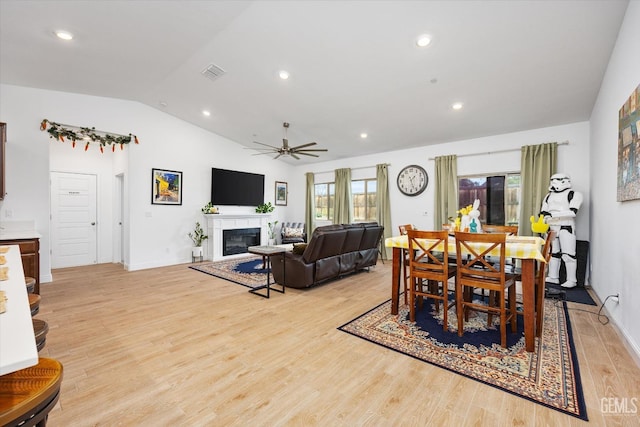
(559, 182)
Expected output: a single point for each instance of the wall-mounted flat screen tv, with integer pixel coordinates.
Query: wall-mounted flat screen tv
(235, 188)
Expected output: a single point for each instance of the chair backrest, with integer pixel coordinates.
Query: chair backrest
(546, 253)
(428, 254)
(509, 229)
(474, 267)
(404, 228)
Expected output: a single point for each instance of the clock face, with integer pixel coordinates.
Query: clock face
(412, 180)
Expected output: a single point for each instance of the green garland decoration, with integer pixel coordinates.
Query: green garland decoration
(85, 135)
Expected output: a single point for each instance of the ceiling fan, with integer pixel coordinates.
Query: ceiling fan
(285, 150)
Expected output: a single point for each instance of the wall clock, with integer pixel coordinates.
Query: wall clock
(412, 180)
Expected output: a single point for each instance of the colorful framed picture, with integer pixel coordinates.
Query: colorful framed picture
(629, 148)
(281, 193)
(166, 187)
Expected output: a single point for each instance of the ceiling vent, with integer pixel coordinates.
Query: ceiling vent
(212, 72)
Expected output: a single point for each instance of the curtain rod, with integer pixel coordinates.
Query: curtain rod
(361, 167)
(497, 151)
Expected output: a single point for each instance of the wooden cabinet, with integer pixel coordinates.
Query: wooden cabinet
(30, 252)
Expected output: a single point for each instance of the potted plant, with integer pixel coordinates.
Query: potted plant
(272, 232)
(265, 208)
(197, 237)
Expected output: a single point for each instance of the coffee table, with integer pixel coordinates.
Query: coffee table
(267, 252)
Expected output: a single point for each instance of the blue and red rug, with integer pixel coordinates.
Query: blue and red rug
(246, 271)
(548, 376)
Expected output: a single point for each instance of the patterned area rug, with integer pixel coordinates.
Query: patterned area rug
(548, 376)
(246, 271)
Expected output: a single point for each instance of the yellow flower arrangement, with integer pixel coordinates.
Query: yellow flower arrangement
(455, 223)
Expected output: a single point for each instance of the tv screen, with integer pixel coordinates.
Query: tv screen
(235, 188)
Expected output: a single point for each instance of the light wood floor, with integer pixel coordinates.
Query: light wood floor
(175, 347)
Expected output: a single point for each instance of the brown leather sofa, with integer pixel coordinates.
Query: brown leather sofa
(333, 251)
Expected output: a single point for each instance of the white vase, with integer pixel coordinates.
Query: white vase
(196, 251)
(271, 241)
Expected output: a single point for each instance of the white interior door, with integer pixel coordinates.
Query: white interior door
(73, 219)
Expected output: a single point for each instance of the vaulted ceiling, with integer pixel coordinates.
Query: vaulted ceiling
(354, 65)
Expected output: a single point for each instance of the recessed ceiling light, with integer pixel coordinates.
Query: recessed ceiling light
(64, 35)
(163, 104)
(206, 113)
(457, 106)
(423, 40)
(363, 135)
(284, 75)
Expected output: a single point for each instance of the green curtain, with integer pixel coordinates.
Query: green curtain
(343, 213)
(310, 205)
(446, 191)
(383, 205)
(537, 164)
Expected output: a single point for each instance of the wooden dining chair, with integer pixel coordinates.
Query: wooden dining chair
(509, 229)
(475, 271)
(429, 271)
(405, 262)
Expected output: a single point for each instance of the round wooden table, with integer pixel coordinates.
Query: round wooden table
(28, 395)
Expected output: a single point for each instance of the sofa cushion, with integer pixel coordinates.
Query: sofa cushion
(289, 232)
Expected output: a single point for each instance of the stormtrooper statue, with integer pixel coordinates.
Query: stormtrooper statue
(559, 208)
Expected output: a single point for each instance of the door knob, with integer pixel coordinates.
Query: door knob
(93, 223)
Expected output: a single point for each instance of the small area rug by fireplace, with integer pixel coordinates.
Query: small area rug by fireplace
(548, 376)
(246, 271)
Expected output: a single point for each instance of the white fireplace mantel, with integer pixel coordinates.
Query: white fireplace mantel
(216, 223)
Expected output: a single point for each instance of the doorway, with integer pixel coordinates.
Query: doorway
(73, 219)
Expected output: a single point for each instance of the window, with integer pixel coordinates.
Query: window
(325, 200)
(364, 200)
(499, 197)
(363, 194)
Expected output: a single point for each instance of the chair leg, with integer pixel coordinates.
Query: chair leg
(513, 309)
(459, 309)
(412, 297)
(539, 308)
(503, 320)
(445, 306)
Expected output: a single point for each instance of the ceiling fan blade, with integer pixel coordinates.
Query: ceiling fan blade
(305, 154)
(313, 149)
(279, 154)
(267, 145)
(265, 152)
(303, 145)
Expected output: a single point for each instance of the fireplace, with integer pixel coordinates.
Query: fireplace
(236, 241)
(219, 224)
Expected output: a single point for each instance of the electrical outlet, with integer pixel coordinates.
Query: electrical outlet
(616, 298)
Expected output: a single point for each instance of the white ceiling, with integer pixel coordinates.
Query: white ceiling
(516, 65)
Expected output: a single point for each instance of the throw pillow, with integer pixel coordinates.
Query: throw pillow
(293, 232)
(299, 248)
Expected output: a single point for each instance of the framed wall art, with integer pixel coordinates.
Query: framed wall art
(629, 148)
(281, 193)
(166, 187)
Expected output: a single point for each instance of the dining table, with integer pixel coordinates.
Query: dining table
(525, 248)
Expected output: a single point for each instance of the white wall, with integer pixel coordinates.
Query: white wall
(616, 237)
(572, 159)
(157, 234)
